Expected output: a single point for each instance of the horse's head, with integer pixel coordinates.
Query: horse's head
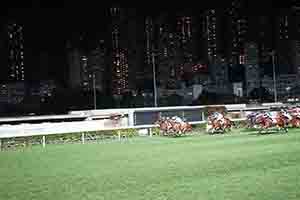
(286, 115)
(157, 123)
(261, 117)
(251, 116)
(209, 119)
(159, 120)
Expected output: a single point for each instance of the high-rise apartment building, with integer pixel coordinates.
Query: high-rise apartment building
(284, 30)
(167, 60)
(186, 30)
(296, 55)
(296, 37)
(210, 33)
(74, 59)
(87, 67)
(15, 52)
(94, 68)
(252, 71)
(238, 26)
(149, 30)
(120, 67)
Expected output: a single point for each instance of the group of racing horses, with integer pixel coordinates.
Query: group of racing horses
(281, 120)
(218, 122)
(261, 120)
(173, 125)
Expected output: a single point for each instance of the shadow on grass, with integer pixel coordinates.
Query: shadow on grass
(268, 132)
(246, 130)
(254, 131)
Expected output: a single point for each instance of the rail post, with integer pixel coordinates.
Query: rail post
(150, 132)
(119, 135)
(83, 138)
(44, 141)
(203, 116)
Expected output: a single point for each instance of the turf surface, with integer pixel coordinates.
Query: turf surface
(234, 166)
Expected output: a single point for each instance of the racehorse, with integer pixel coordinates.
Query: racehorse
(173, 126)
(251, 119)
(254, 119)
(180, 126)
(295, 121)
(295, 114)
(228, 124)
(216, 122)
(279, 120)
(213, 125)
(164, 125)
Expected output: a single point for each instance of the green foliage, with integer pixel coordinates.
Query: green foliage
(240, 124)
(199, 127)
(63, 138)
(20, 142)
(156, 131)
(126, 132)
(23, 142)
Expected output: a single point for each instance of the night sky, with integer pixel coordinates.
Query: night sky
(48, 25)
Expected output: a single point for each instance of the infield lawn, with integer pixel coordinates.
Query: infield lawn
(237, 166)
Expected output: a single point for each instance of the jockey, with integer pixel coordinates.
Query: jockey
(295, 111)
(177, 119)
(268, 114)
(286, 114)
(219, 116)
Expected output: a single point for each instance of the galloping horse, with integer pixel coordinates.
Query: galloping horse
(175, 125)
(214, 125)
(295, 121)
(295, 113)
(164, 125)
(278, 119)
(228, 124)
(216, 122)
(180, 126)
(254, 119)
(251, 119)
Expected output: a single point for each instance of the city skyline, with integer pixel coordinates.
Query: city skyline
(131, 53)
(48, 37)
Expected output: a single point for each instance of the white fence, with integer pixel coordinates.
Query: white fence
(194, 114)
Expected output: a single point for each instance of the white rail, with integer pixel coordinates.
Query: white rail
(81, 114)
(44, 129)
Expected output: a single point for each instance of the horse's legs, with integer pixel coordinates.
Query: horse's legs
(180, 132)
(213, 130)
(223, 128)
(285, 128)
(261, 129)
